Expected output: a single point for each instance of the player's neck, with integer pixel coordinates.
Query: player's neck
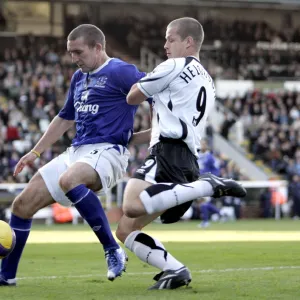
(195, 55)
(102, 60)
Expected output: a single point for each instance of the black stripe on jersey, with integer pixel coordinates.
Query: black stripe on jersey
(188, 60)
(184, 130)
(170, 104)
(150, 79)
(157, 117)
(153, 79)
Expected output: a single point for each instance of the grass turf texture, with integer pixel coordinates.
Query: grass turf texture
(221, 270)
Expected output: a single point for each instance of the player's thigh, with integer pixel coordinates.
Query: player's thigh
(108, 160)
(143, 177)
(80, 173)
(34, 197)
(51, 173)
(132, 193)
(127, 225)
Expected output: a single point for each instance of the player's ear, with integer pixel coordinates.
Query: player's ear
(189, 41)
(99, 47)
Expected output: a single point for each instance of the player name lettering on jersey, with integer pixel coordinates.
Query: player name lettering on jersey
(189, 74)
(192, 71)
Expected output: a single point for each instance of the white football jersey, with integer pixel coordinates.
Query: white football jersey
(183, 96)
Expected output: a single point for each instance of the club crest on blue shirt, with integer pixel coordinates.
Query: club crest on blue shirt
(84, 96)
(101, 82)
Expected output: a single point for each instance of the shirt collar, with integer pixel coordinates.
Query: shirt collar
(101, 67)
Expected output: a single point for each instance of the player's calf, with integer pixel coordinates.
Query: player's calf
(34, 197)
(134, 210)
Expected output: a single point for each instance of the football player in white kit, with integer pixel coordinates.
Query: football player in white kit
(168, 181)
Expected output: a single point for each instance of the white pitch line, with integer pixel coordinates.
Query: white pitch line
(151, 273)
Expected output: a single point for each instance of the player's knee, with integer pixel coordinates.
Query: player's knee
(65, 182)
(128, 207)
(22, 208)
(129, 210)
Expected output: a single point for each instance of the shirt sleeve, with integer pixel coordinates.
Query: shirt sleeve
(127, 76)
(159, 78)
(68, 110)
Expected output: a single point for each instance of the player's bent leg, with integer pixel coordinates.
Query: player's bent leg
(132, 204)
(127, 225)
(150, 250)
(163, 196)
(34, 197)
(75, 182)
(79, 173)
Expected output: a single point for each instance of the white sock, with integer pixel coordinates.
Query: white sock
(160, 197)
(151, 251)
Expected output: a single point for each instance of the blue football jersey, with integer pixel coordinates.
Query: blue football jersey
(208, 163)
(96, 101)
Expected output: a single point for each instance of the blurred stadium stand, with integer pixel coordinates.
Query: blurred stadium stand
(257, 120)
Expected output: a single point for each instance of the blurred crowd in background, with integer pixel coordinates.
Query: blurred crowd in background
(272, 123)
(34, 78)
(230, 49)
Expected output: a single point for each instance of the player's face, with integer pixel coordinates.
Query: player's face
(174, 46)
(84, 56)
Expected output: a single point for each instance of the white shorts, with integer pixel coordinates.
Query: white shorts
(110, 162)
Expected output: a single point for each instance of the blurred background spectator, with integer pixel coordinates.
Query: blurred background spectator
(35, 72)
(35, 78)
(272, 122)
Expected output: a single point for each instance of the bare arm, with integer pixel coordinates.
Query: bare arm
(143, 137)
(56, 129)
(135, 96)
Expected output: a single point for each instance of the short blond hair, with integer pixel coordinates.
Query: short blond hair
(189, 27)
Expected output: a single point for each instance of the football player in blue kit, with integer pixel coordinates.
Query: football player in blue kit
(98, 157)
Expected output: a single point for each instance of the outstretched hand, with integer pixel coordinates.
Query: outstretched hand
(26, 160)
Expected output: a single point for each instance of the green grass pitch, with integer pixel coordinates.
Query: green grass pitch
(248, 269)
